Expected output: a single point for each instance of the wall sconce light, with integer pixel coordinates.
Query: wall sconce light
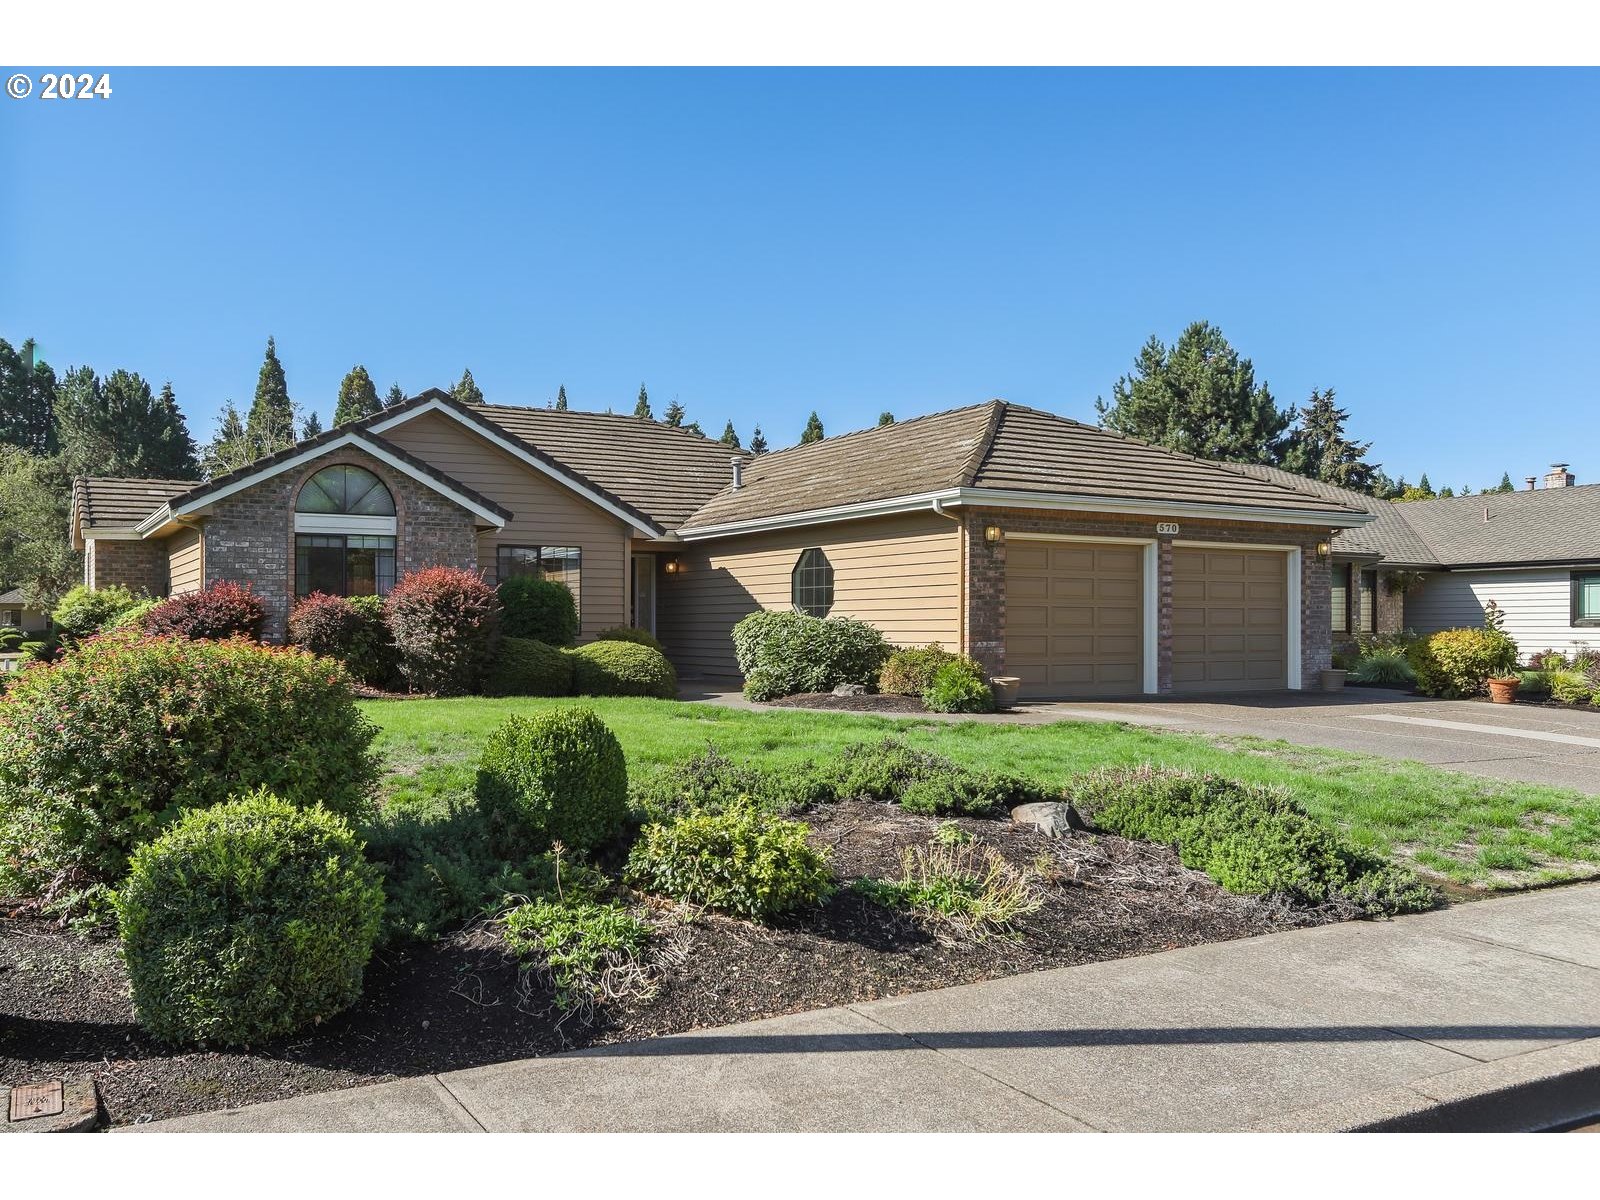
(672, 566)
(1324, 549)
(991, 534)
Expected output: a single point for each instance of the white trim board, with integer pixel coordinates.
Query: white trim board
(521, 454)
(345, 523)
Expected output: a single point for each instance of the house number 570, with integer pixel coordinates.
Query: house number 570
(1167, 528)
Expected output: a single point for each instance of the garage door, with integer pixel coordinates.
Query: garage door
(1073, 618)
(1230, 620)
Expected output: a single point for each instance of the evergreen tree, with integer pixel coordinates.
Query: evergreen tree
(311, 427)
(1423, 490)
(27, 399)
(231, 447)
(271, 420)
(885, 418)
(674, 414)
(642, 409)
(119, 427)
(561, 399)
(395, 396)
(1318, 449)
(358, 397)
(1505, 485)
(813, 430)
(35, 496)
(730, 436)
(758, 442)
(1201, 398)
(467, 390)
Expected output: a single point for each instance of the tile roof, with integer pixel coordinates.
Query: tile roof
(660, 471)
(995, 445)
(104, 503)
(1547, 525)
(1389, 536)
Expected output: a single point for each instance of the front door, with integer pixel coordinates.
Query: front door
(643, 592)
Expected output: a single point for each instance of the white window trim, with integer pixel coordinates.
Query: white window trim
(1295, 668)
(361, 526)
(1150, 595)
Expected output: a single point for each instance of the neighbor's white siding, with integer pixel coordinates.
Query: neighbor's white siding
(1537, 604)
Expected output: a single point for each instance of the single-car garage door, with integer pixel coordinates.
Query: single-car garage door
(1074, 617)
(1230, 619)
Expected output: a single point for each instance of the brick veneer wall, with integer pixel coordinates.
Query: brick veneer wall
(139, 566)
(249, 537)
(1391, 606)
(984, 631)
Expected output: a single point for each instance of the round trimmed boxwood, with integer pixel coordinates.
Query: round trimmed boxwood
(540, 609)
(556, 777)
(630, 633)
(247, 921)
(101, 749)
(524, 667)
(623, 669)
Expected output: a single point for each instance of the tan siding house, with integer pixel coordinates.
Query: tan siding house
(184, 555)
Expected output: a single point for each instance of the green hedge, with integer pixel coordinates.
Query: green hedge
(1454, 663)
(542, 610)
(909, 672)
(631, 633)
(559, 776)
(622, 669)
(790, 653)
(247, 921)
(524, 667)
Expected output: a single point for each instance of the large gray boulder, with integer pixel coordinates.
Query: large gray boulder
(1053, 818)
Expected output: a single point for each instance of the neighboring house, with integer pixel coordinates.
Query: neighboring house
(1084, 562)
(1535, 553)
(18, 614)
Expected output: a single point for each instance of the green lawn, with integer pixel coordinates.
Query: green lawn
(1460, 827)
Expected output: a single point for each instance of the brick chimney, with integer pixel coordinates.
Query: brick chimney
(1559, 476)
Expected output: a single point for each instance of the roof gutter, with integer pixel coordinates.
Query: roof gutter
(1013, 498)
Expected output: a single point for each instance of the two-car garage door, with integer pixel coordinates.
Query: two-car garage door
(1075, 618)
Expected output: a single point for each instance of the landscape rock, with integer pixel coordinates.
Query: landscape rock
(850, 689)
(1053, 818)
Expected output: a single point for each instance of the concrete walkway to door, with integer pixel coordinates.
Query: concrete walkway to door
(1480, 1016)
(1522, 743)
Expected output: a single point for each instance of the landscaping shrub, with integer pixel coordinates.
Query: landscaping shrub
(1384, 668)
(622, 669)
(558, 776)
(1571, 687)
(10, 638)
(630, 633)
(444, 622)
(1533, 683)
(711, 782)
(741, 861)
(1457, 662)
(964, 884)
(524, 667)
(37, 651)
(586, 950)
(960, 687)
(1249, 838)
(350, 630)
(82, 613)
(542, 610)
(891, 771)
(132, 618)
(910, 671)
(100, 750)
(223, 610)
(247, 921)
(787, 653)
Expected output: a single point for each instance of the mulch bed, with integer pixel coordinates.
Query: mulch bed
(867, 702)
(64, 1006)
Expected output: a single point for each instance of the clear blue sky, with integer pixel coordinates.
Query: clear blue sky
(761, 243)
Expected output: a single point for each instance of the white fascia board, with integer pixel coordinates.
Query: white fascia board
(164, 515)
(1008, 498)
(519, 453)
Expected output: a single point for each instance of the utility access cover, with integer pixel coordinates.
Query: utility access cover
(36, 1100)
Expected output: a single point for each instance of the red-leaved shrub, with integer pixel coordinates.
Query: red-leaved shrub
(352, 631)
(444, 622)
(223, 610)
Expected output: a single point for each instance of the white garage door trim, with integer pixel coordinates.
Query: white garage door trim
(1150, 601)
(1292, 591)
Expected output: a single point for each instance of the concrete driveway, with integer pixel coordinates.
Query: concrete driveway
(1521, 742)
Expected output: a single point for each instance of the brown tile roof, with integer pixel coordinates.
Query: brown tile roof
(105, 503)
(660, 471)
(995, 445)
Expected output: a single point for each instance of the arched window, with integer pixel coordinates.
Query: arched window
(811, 583)
(344, 534)
(345, 489)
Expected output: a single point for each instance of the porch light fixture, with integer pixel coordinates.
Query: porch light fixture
(1324, 549)
(991, 534)
(672, 566)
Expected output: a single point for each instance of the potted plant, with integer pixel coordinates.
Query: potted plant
(1333, 679)
(1503, 688)
(1005, 690)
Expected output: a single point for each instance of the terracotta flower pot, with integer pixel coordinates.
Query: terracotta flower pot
(1504, 691)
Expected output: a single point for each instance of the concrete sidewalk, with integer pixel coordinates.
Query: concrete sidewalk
(1485, 1015)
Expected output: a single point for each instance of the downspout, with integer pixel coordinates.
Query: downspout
(937, 505)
